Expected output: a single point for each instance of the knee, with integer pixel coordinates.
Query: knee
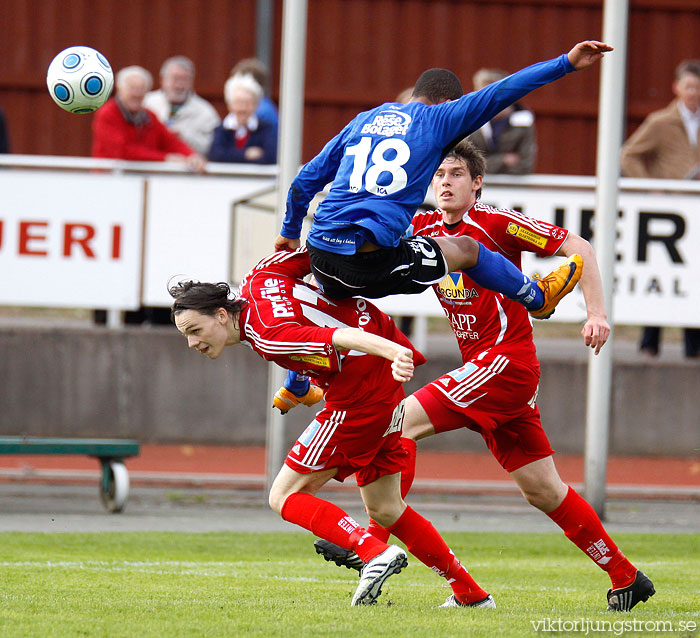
(386, 514)
(416, 424)
(459, 252)
(545, 497)
(276, 499)
(470, 249)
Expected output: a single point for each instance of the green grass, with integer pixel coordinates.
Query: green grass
(268, 585)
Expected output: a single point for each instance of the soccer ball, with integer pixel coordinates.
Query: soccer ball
(80, 79)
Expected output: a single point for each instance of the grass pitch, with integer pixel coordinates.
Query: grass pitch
(271, 584)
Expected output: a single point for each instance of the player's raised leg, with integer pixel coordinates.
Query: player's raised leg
(493, 271)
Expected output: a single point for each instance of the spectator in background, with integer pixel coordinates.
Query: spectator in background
(243, 136)
(176, 104)
(667, 146)
(267, 110)
(508, 140)
(124, 129)
(4, 137)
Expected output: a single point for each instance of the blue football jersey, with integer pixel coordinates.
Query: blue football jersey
(381, 164)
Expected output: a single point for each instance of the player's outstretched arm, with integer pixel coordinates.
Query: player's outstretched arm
(355, 339)
(285, 243)
(586, 53)
(596, 330)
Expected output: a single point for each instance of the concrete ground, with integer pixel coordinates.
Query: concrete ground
(203, 489)
(77, 508)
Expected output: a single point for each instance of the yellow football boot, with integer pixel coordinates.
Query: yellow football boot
(285, 400)
(557, 284)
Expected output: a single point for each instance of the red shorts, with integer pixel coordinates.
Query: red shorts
(365, 440)
(494, 396)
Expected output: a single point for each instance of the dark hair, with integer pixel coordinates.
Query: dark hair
(472, 157)
(688, 66)
(438, 85)
(205, 298)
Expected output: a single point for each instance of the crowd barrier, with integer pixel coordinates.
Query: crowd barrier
(147, 385)
(84, 233)
(87, 233)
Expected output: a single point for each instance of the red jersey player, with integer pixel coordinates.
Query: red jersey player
(357, 354)
(494, 392)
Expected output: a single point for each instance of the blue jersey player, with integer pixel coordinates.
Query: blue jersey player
(381, 165)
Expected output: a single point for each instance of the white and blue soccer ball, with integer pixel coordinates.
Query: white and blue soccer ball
(80, 79)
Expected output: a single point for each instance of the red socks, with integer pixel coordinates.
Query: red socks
(426, 544)
(330, 522)
(584, 529)
(407, 476)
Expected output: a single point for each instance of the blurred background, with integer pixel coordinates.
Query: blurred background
(359, 53)
(65, 374)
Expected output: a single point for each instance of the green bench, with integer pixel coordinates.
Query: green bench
(114, 484)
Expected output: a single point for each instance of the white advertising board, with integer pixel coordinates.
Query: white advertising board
(657, 273)
(70, 240)
(189, 230)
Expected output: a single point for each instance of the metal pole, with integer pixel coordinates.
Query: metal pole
(264, 20)
(289, 159)
(610, 126)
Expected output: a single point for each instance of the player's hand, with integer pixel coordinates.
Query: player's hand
(595, 332)
(402, 365)
(285, 243)
(584, 54)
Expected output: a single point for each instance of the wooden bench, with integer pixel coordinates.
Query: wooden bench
(114, 484)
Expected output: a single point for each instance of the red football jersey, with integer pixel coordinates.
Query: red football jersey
(480, 318)
(292, 323)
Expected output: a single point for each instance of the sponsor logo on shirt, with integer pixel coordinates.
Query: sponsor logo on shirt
(388, 123)
(452, 287)
(463, 325)
(308, 434)
(526, 235)
(313, 359)
(338, 240)
(273, 290)
(558, 233)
